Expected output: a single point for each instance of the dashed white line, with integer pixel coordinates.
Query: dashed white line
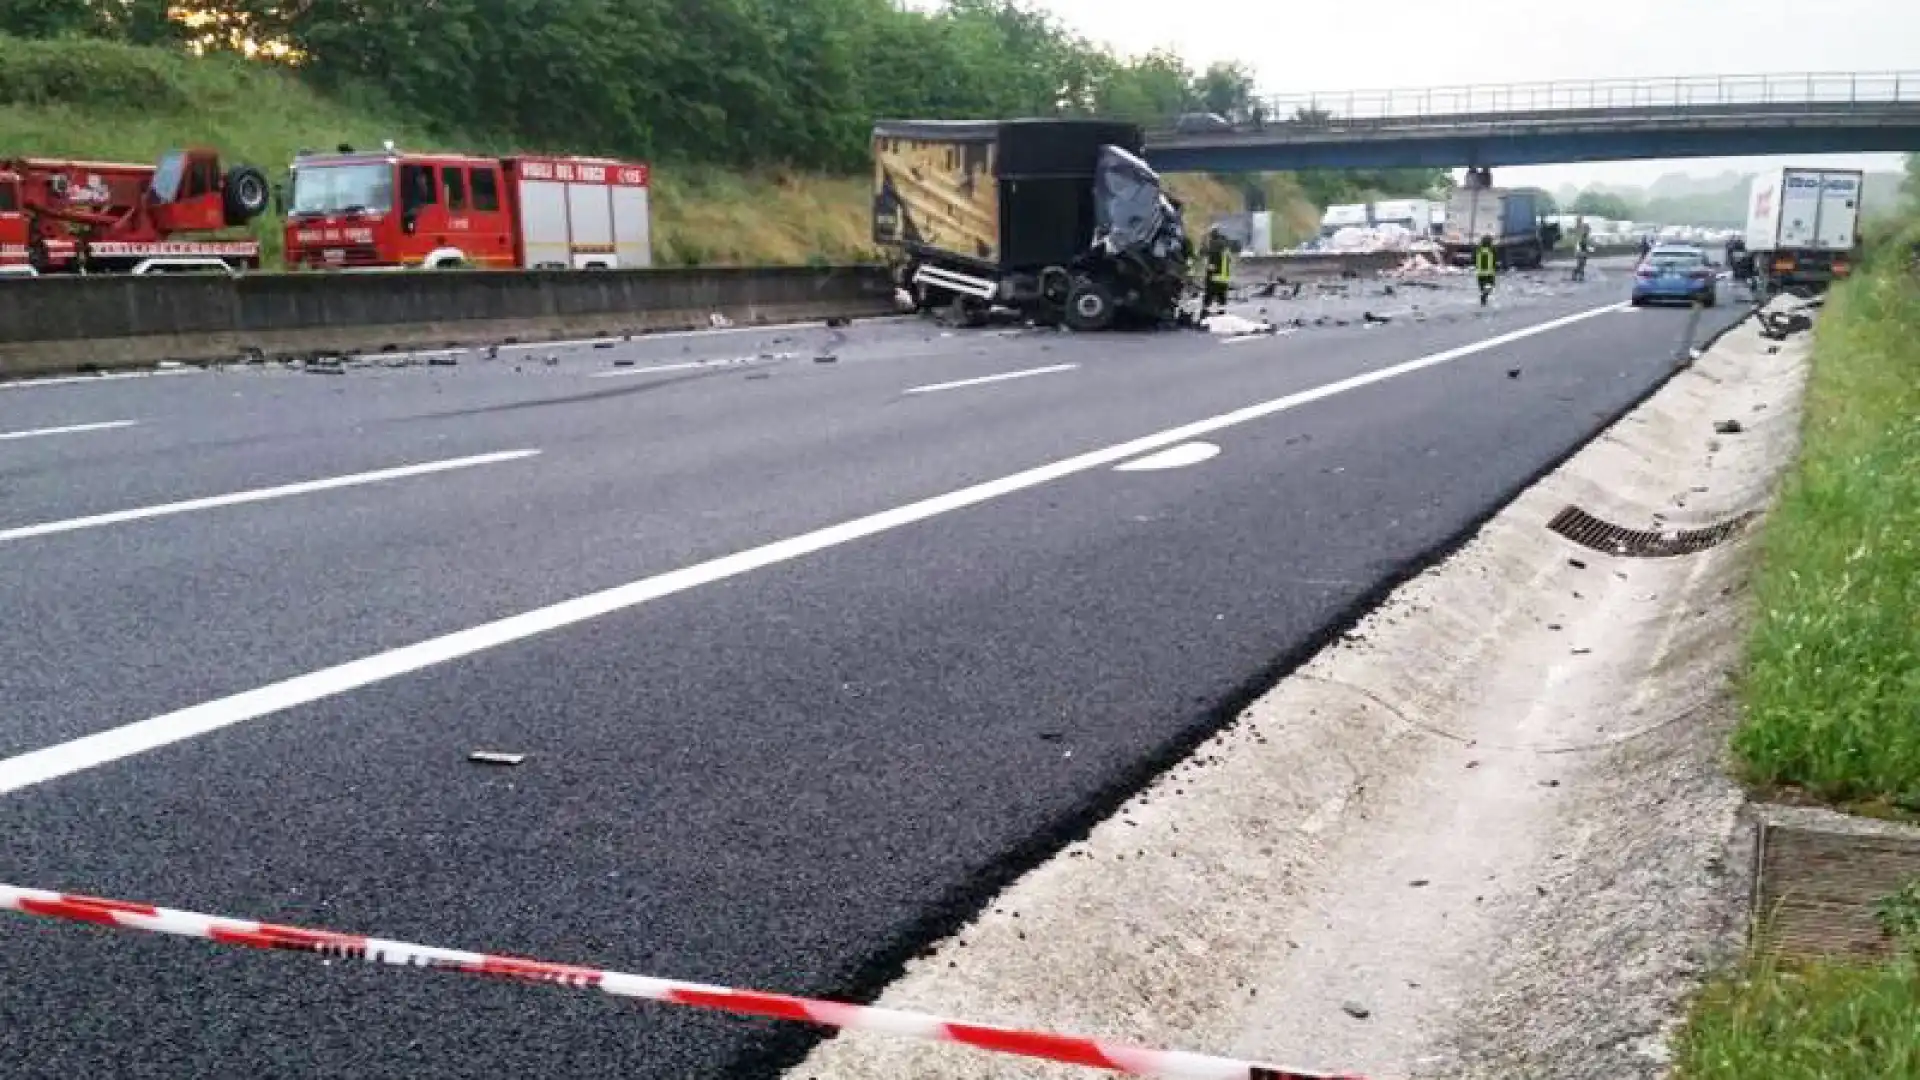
(1177, 457)
(236, 498)
(140, 736)
(934, 388)
(70, 429)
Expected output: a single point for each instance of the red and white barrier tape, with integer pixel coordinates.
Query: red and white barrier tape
(1134, 1061)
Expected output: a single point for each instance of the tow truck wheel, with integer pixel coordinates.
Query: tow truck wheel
(247, 194)
(1089, 306)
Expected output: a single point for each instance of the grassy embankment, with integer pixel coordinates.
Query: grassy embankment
(120, 103)
(1832, 686)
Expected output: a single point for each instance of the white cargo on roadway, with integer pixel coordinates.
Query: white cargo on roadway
(582, 214)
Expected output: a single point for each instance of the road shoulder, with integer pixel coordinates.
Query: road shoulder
(1488, 832)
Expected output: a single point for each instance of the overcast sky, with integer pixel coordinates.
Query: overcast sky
(1321, 45)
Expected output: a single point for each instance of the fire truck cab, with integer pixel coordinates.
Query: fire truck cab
(394, 209)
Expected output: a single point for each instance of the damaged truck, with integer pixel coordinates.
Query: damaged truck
(1058, 220)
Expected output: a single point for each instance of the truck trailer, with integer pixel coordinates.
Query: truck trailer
(391, 209)
(1058, 219)
(1802, 226)
(1514, 217)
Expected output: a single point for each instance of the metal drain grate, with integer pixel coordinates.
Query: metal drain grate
(1588, 531)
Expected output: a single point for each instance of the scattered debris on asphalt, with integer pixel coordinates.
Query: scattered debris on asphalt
(1729, 427)
(495, 757)
(1356, 1010)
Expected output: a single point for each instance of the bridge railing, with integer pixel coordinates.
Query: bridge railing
(1812, 89)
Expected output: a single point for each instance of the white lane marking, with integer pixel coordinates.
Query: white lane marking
(1178, 457)
(51, 762)
(691, 365)
(111, 376)
(260, 494)
(1244, 338)
(70, 429)
(715, 331)
(934, 388)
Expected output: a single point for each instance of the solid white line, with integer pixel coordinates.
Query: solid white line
(691, 365)
(70, 429)
(260, 494)
(934, 388)
(1244, 338)
(140, 736)
(110, 376)
(713, 331)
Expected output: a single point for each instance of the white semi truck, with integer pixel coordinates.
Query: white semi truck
(1803, 226)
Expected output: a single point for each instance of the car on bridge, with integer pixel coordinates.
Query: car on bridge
(1673, 272)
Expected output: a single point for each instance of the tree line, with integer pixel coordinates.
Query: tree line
(730, 82)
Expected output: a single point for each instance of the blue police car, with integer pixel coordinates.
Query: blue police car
(1674, 273)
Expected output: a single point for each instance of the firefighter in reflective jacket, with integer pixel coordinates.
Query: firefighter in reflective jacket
(1218, 261)
(1483, 268)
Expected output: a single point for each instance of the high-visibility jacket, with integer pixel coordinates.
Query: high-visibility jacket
(1483, 261)
(1220, 272)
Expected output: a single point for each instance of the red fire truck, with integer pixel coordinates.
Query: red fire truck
(94, 217)
(394, 208)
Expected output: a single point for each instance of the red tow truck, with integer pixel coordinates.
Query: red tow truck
(391, 209)
(101, 217)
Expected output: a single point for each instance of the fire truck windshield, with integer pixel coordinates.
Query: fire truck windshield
(338, 189)
(9, 195)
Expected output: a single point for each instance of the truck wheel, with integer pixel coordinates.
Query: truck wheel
(1090, 306)
(247, 194)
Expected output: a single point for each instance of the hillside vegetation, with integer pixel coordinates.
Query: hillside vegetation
(755, 113)
(1717, 201)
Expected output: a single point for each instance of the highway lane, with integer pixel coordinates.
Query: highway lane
(784, 778)
(145, 617)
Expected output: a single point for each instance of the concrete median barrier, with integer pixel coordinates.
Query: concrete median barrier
(67, 324)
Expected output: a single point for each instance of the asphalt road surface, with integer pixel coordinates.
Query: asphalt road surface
(807, 656)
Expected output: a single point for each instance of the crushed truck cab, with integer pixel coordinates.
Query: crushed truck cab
(1058, 219)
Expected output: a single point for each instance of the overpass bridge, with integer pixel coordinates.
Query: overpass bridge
(1556, 122)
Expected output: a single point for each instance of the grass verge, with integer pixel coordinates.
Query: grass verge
(1821, 1022)
(1832, 689)
(1832, 680)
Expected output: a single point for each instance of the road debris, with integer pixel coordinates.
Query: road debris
(495, 757)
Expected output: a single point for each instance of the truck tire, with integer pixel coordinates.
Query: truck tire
(247, 194)
(1090, 306)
